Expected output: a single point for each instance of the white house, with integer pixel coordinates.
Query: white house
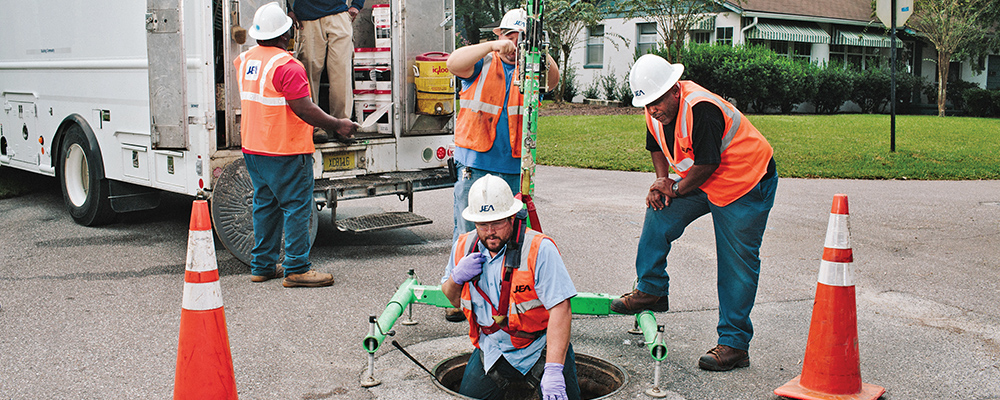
(819, 31)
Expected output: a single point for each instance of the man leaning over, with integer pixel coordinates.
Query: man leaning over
(726, 169)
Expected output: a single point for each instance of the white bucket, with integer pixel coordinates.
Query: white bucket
(382, 56)
(382, 77)
(382, 18)
(381, 14)
(364, 105)
(364, 56)
(363, 78)
(383, 97)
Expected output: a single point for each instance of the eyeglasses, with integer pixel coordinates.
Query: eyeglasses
(491, 226)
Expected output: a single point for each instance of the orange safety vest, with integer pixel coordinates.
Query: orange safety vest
(745, 152)
(527, 318)
(481, 102)
(268, 125)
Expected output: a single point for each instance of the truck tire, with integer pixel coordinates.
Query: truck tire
(85, 194)
(232, 212)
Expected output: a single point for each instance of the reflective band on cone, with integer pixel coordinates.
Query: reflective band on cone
(831, 368)
(204, 361)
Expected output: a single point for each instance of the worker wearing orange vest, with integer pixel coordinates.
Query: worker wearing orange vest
(276, 129)
(514, 289)
(488, 125)
(724, 167)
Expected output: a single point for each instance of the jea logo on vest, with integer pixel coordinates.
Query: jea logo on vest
(253, 70)
(522, 288)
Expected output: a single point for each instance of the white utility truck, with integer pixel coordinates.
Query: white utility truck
(123, 100)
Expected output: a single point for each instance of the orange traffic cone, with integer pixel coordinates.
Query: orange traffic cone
(831, 368)
(204, 362)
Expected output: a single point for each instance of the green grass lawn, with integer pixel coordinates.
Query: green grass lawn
(851, 146)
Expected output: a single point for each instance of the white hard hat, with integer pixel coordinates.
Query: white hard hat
(490, 199)
(515, 20)
(269, 22)
(651, 77)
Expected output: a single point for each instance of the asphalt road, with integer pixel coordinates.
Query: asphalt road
(93, 313)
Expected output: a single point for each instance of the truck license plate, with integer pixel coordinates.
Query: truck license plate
(338, 161)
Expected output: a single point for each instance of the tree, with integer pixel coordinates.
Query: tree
(474, 14)
(565, 21)
(674, 19)
(950, 25)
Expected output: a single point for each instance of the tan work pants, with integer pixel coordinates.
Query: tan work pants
(328, 42)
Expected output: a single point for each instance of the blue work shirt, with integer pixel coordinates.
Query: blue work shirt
(552, 284)
(497, 158)
(308, 10)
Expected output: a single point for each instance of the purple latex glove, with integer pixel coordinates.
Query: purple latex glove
(468, 267)
(553, 383)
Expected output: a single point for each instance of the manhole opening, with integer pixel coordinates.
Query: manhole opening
(598, 378)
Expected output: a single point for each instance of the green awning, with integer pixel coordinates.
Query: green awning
(866, 39)
(707, 24)
(810, 33)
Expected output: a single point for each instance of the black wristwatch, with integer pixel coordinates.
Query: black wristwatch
(673, 188)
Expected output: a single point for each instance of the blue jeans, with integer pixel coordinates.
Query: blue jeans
(466, 177)
(739, 229)
(282, 200)
(477, 385)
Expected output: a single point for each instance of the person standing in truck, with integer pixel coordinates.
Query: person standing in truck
(276, 128)
(325, 38)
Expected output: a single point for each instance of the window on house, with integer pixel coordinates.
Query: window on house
(595, 47)
(860, 57)
(646, 37)
(802, 51)
(701, 37)
(724, 36)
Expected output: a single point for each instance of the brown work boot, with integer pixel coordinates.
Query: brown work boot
(454, 315)
(308, 279)
(279, 272)
(724, 358)
(320, 136)
(637, 301)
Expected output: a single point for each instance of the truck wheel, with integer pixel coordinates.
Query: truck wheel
(232, 212)
(85, 194)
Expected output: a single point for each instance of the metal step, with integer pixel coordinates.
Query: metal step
(383, 221)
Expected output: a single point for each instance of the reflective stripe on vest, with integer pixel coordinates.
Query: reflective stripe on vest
(527, 313)
(745, 152)
(480, 106)
(268, 125)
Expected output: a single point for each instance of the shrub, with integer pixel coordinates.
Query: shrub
(625, 93)
(609, 86)
(871, 89)
(953, 93)
(567, 81)
(701, 62)
(908, 86)
(592, 91)
(834, 84)
(982, 102)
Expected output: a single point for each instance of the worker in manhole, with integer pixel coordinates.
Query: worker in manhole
(514, 290)
(726, 169)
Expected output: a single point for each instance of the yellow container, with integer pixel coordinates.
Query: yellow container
(435, 103)
(431, 65)
(443, 84)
